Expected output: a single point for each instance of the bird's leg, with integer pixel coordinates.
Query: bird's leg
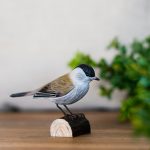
(61, 109)
(68, 109)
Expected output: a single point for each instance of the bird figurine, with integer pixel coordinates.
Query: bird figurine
(66, 89)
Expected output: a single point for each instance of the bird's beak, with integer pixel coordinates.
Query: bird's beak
(95, 78)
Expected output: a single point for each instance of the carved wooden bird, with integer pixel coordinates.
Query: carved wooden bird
(66, 89)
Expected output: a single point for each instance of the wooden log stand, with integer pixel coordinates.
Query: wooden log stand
(70, 126)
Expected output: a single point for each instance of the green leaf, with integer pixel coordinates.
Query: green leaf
(114, 44)
(137, 46)
(145, 82)
(81, 58)
(106, 91)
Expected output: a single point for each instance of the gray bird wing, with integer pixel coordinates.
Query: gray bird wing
(56, 88)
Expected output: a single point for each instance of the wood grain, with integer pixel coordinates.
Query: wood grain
(60, 128)
(30, 131)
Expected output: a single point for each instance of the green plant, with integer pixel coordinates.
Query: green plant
(130, 71)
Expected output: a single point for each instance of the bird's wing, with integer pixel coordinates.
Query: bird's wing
(56, 88)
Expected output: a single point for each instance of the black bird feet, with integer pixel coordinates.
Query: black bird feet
(70, 115)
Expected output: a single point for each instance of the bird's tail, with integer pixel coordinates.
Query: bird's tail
(22, 94)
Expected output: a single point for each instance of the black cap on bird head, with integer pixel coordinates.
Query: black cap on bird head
(88, 70)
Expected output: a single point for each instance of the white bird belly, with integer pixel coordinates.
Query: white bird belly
(73, 96)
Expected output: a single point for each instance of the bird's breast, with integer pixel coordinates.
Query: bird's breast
(73, 96)
(77, 93)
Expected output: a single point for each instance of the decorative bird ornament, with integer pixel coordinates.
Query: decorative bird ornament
(66, 89)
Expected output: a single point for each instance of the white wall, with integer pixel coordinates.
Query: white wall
(39, 37)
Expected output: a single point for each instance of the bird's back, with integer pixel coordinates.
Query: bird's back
(57, 88)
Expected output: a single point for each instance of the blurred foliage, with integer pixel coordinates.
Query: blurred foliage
(130, 71)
